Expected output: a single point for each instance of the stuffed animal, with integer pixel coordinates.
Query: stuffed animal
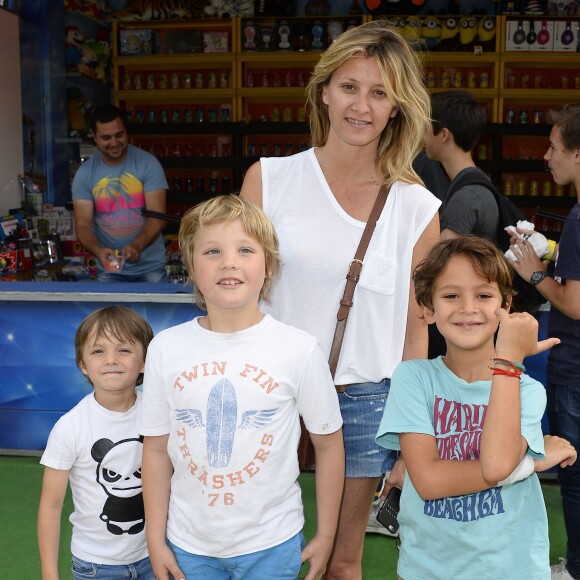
(476, 7)
(74, 39)
(449, 30)
(431, 32)
(434, 7)
(413, 28)
(486, 31)
(467, 30)
(390, 7)
(563, 7)
(317, 8)
(160, 9)
(88, 60)
(99, 62)
(229, 8)
(78, 109)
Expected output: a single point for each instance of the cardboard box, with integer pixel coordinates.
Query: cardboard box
(25, 260)
(216, 42)
(516, 34)
(9, 262)
(544, 36)
(136, 42)
(180, 42)
(565, 36)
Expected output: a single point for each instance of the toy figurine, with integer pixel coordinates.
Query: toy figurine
(250, 36)
(334, 30)
(284, 34)
(317, 32)
(74, 39)
(431, 32)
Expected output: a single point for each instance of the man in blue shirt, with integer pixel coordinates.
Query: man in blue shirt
(109, 191)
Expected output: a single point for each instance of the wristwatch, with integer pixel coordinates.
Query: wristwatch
(537, 277)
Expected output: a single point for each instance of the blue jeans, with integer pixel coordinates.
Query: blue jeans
(153, 276)
(140, 570)
(564, 416)
(282, 562)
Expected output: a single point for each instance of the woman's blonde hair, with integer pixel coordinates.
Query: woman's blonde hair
(224, 209)
(402, 74)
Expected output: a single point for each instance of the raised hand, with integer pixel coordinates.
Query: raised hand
(518, 336)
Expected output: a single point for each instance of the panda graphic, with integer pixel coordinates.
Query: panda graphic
(119, 474)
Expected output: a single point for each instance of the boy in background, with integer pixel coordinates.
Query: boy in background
(457, 123)
(97, 448)
(469, 427)
(222, 398)
(563, 293)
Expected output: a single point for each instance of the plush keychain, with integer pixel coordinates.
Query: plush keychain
(543, 247)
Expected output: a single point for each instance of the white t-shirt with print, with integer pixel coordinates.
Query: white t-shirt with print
(230, 403)
(102, 450)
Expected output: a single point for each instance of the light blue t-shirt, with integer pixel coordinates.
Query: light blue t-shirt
(118, 194)
(485, 535)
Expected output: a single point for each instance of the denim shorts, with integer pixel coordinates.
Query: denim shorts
(282, 562)
(140, 570)
(362, 406)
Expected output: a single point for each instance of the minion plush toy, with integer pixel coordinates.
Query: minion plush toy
(467, 31)
(486, 32)
(449, 31)
(431, 32)
(413, 29)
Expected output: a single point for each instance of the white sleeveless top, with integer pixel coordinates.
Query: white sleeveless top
(318, 240)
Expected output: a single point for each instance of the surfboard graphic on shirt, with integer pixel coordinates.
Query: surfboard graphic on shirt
(222, 421)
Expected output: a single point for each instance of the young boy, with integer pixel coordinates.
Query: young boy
(222, 399)
(464, 422)
(97, 447)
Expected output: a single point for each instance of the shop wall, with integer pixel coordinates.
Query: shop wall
(11, 153)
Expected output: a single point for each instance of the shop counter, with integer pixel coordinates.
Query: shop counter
(39, 379)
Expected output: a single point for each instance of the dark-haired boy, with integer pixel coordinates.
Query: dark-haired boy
(457, 123)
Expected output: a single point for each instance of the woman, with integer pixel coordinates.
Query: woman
(368, 111)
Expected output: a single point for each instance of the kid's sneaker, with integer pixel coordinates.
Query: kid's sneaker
(559, 571)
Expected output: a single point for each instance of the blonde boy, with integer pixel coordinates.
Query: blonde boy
(223, 395)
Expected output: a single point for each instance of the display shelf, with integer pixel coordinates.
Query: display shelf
(178, 89)
(264, 95)
(180, 128)
(534, 79)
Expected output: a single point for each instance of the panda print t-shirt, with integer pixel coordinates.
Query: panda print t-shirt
(102, 451)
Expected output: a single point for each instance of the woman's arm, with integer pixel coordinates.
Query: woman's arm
(54, 484)
(252, 186)
(156, 479)
(416, 338)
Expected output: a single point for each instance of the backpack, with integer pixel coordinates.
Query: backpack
(528, 298)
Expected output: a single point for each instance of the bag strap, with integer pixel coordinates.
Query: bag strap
(352, 278)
